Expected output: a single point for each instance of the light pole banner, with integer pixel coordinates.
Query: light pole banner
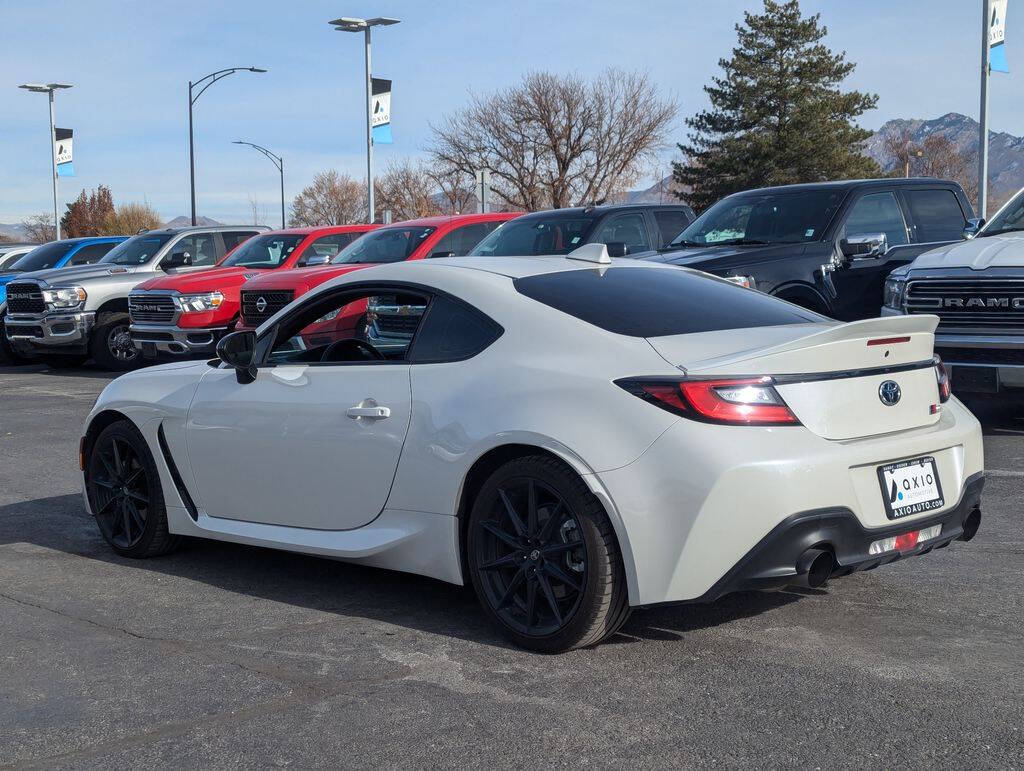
(996, 36)
(380, 118)
(62, 151)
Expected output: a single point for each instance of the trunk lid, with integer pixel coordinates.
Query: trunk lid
(830, 375)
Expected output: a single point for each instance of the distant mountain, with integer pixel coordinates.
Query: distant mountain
(1005, 151)
(183, 221)
(16, 231)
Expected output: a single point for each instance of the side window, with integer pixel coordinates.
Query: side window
(452, 330)
(671, 222)
(461, 241)
(328, 246)
(337, 329)
(629, 229)
(231, 240)
(90, 254)
(877, 213)
(201, 246)
(936, 214)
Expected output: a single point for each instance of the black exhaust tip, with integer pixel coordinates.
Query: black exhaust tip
(971, 525)
(814, 568)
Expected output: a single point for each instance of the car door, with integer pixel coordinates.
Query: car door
(203, 252)
(310, 443)
(859, 280)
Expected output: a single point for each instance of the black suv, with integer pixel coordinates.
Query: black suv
(826, 246)
(627, 229)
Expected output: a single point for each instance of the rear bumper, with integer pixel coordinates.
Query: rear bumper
(176, 341)
(57, 330)
(772, 562)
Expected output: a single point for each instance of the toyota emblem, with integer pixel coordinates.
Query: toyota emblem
(889, 393)
(261, 305)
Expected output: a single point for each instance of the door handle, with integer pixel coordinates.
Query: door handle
(374, 413)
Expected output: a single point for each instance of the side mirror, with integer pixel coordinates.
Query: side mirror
(442, 254)
(974, 224)
(316, 259)
(177, 260)
(616, 249)
(236, 350)
(865, 246)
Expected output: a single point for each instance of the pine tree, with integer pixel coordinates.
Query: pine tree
(778, 115)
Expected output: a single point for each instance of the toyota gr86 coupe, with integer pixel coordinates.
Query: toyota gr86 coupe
(575, 436)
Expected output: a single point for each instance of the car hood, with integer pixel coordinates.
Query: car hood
(302, 278)
(1004, 251)
(8, 277)
(204, 280)
(76, 273)
(726, 256)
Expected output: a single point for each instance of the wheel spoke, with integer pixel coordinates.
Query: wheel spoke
(103, 483)
(136, 516)
(508, 561)
(531, 601)
(557, 572)
(517, 521)
(111, 471)
(125, 521)
(558, 548)
(118, 462)
(134, 476)
(510, 590)
(495, 529)
(102, 509)
(531, 508)
(134, 495)
(547, 531)
(549, 595)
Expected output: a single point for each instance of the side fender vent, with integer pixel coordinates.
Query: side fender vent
(176, 476)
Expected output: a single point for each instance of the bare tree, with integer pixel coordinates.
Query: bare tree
(39, 228)
(407, 190)
(129, 218)
(455, 188)
(258, 212)
(940, 158)
(331, 199)
(555, 140)
(900, 146)
(7, 238)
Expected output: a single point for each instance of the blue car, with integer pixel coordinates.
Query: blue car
(56, 254)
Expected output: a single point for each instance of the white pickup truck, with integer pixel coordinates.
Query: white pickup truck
(976, 288)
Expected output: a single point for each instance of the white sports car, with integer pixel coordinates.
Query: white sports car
(575, 436)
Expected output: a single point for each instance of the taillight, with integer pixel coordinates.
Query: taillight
(942, 376)
(736, 402)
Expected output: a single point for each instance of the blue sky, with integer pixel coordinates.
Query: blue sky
(131, 62)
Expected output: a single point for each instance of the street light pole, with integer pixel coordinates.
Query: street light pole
(346, 24)
(48, 89)
(212, 78)
(986, 15)
(278, 161)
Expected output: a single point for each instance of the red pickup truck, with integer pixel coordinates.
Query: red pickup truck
(443, 236)
(187, 314)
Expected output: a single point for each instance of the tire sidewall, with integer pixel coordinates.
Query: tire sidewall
(100, 344)
(579, 500)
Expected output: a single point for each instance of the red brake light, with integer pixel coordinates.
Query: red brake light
(942, 376)
(889, 340)
(737, 402)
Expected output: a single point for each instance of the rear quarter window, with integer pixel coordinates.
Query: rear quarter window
(643, 302)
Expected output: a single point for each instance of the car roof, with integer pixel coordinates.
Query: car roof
(520, 267)
(846, 185)
(455, 219)
(305, 231)
(603, 209)
(204, 228)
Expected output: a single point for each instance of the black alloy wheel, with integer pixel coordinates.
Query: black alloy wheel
(543, 557)
(125, 493)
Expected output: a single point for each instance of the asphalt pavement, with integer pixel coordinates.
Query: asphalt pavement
(230, 656)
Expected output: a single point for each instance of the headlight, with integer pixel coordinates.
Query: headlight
(197, 303)
(64, 297)
(892, 296)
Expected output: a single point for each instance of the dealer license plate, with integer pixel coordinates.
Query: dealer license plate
(910, 487)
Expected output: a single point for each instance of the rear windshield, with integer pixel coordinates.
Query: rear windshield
(642, 302)
(537, 235)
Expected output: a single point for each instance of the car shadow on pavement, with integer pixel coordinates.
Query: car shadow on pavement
(999, 416)
(84, 371)
(330, 586)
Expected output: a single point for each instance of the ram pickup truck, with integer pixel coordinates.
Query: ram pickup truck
(187, 315)
(56, 254)
(65, 316)
(976, 288)
(442, 236)
(827, 246)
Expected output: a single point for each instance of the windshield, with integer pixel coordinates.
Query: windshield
(264, 251)
(137, 250)
(1010, 219)
(530, 236)
(43, 257)
(773, 218)
(384, 245)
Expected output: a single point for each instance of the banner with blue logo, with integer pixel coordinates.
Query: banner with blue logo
(62, 151)
(380, 116)
(997, 37)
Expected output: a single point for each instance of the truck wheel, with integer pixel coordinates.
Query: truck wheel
(111, 346)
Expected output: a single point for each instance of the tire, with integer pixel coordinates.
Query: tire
(125, 494)
(564, 555)
(110, 346)
(62, 360)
